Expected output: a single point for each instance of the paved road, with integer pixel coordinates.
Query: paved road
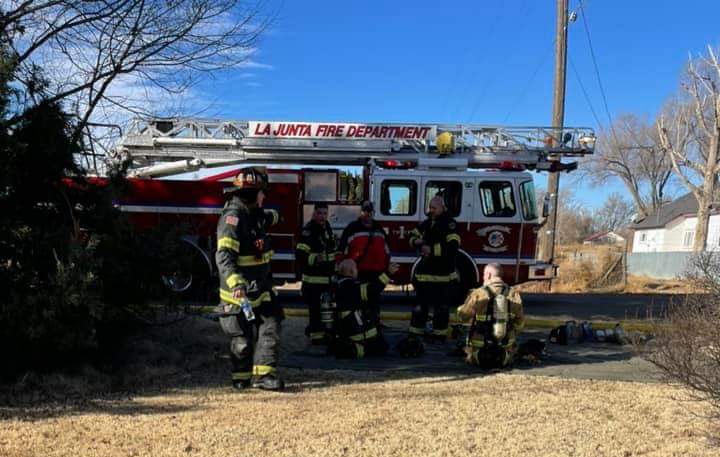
(608, 307)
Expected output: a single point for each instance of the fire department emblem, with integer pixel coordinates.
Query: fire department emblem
(494, 238)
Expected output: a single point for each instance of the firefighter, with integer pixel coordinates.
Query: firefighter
(436, 279)
(315, 256)
(243, 259)
(365, 242)
(356, 334)
(496, 315)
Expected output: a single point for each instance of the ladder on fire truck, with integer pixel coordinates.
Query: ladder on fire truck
(160, 147)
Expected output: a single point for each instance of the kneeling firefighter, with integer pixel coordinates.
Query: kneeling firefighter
(496, 316)
(357, 333)
(250, 314)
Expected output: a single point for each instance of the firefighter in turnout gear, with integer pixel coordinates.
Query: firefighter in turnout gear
(249, 312)
(315, 256)
(357, 333)
(496, 315)
(436, 277)
(365, 242)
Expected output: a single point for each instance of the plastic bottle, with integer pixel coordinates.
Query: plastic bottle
(247, 310)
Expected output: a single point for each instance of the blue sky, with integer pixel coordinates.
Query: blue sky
(463, 61)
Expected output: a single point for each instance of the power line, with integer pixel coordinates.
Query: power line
(543, 58)
(585, 93)
(597, 69)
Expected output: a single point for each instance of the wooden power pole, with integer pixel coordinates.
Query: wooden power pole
(547, 241)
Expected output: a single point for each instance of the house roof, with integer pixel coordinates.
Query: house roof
(598, 235)
(687, 204)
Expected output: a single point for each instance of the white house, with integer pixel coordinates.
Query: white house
(672, 228)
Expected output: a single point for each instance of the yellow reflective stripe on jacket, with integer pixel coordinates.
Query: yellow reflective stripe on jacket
(242, 376)
(364, 292)
(228, 243)
(235, 280)
(483, 318)
(227, 296)
(315, 279)
(414, 235)
(251, 260)
(262, 370)
(477, 343)
(453, 237)
(417, 331)
(303, 247)
(360, 350)
(440, 332)
(345, 313)
(312, 258)
(437, 278)
(384, 278)
(362, 336)
(437, 249)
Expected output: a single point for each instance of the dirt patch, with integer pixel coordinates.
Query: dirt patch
(351, 413)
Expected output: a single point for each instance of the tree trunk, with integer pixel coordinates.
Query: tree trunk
(703, 220)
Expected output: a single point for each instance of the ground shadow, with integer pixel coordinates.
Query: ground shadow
(193, 356)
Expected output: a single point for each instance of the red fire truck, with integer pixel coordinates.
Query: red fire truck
(481, 171)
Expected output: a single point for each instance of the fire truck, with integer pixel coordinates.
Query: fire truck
(482, 172)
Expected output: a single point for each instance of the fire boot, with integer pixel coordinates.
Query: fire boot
(268, 382)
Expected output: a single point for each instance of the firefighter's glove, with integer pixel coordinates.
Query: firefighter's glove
(425, 250)
(393, 268)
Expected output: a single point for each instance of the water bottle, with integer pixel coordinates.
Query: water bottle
(247, 310)
(500, 312)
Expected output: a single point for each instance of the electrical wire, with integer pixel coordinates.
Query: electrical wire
(597, 70)
(585, 93)
(543, 58)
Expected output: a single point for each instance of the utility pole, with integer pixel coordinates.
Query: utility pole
(547, 242)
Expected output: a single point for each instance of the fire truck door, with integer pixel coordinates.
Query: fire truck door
(499, 223)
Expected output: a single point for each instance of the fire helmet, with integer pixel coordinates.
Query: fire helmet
(250, 178)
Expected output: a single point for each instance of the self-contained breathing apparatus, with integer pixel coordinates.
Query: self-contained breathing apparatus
(487, 340)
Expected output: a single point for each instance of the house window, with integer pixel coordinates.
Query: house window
(398, 197)
(643, 237)
(688, 238)
(497, 198)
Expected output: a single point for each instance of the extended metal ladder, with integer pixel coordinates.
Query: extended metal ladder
(166, 146)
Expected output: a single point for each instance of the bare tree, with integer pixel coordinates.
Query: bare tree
(630, 151)
(575, 221)
(689, 131)
(86, 50)
(614, 214)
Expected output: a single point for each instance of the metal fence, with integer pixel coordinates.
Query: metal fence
(659, 265)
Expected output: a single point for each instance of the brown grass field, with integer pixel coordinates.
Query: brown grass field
(351, 413)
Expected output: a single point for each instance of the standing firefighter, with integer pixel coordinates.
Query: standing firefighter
(250, 316)
(496, 315)
(365, 242)
(315, 255)
(436, 278)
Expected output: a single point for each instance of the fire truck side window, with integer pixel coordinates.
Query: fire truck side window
(497, 198)
(398, 197)
(450, 191)
(527, 198)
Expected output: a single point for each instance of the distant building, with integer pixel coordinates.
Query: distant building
(672, 228)
(604, 238)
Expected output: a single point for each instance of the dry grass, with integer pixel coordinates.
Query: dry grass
(351, 413)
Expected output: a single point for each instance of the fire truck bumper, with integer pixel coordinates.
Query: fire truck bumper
(543, 271)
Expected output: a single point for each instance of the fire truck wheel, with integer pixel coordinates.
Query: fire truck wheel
(192, 277)
(467, 270)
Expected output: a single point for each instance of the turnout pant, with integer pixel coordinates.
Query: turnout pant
(356, 337)
(311, 294)
(255, 345)
(371, 310)
(439, 295)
